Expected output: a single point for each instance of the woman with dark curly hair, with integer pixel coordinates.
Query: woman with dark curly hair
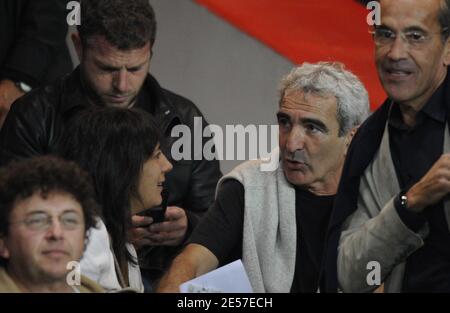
(120, 149)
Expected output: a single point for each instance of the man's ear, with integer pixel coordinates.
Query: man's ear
(349, 138)
(4, 252)
(77, 44)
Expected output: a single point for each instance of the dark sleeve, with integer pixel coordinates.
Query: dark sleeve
(205, 175)
(221, 228)
(27, 129)
(41, 34)
(203, 182)
(412, 220)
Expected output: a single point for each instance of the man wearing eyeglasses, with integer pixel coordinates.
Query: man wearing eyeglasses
(391, 216)
(46, 208)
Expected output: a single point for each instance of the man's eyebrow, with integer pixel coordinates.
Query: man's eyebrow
(382, 26)
(32, 212)
(315, 122)
(137, 66)
(106, 66)
(70, 210)
(407, 29)
(115, 68)
(39, 211)
(415, 28)
(283, 115)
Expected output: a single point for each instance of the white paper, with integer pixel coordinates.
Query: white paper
(231, 278)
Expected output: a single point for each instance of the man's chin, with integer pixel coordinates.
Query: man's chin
(54, 273)
(398, 96)
(399, 92)
(117, 104)
(296, 178)
(120, 102)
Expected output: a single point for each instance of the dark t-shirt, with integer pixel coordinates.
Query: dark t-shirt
(221, 231)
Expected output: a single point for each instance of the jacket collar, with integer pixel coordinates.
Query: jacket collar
(160, 106)
(75, 98)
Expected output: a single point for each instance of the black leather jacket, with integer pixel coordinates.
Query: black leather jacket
(36, 122)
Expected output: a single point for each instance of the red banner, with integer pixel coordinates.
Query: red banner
(309, 31)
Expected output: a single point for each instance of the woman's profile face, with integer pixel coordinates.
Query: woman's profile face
(151, 181)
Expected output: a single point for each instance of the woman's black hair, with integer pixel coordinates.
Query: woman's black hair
(113, 144)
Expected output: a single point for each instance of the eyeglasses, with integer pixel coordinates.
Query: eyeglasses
(41, 221)
(414, 38)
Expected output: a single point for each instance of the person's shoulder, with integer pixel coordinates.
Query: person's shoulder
(181, 104)
(7, 285)
(176, 98)
(365, 143)
(41, 99)
(183, 107)
(373, 124)
(253, 172)
(250, 166)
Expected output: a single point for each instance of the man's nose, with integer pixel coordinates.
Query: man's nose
(55, 230)
(121, 81)
(398, 49)
(296, 139)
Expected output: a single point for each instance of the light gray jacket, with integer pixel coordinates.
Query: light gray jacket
(375, 232)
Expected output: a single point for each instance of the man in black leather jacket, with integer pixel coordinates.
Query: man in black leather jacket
(114, 45)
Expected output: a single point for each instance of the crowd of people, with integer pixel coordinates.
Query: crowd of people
(85, 159)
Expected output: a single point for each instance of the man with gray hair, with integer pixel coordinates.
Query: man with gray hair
(277, 221)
